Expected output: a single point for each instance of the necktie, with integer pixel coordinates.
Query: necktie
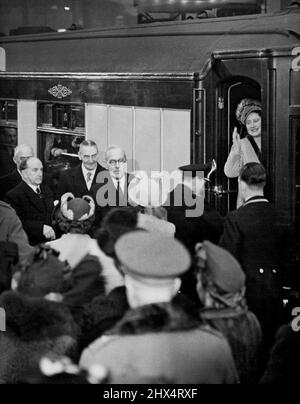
(118, 193)
(40, 195)
(88, 176)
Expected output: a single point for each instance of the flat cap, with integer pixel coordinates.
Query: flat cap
(223, 268)
(152, 255)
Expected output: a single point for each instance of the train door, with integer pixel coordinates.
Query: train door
(295, 143)
(228, 95)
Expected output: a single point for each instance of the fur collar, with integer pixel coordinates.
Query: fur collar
(35, 319)
(180, 314)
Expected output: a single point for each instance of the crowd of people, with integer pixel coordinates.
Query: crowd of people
(98, 289)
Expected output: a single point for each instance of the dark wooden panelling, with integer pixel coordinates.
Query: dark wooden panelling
(133, 93)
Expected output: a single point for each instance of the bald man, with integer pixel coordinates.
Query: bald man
(33, 202)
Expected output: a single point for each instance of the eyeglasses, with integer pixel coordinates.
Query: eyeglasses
(115, 162)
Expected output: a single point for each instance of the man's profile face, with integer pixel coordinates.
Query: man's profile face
(116, 163)
(33, 174)
(89, 156)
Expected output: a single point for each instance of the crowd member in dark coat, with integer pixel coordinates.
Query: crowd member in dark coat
(251, 234)
(11, 230)
(111, 188)
(283, 365)
(93, 272)
(9, 181)
(34, 325)
(221, 289)
(104, 311)
(79, 180)
(33, 202)
(8, 260)
(159, 337)
(194, 219)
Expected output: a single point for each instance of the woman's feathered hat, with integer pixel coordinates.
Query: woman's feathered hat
(73, 211)
(245, 108)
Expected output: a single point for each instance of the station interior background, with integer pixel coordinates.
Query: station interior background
(77, 14)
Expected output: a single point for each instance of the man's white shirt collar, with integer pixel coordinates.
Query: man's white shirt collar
(121, 181)
(33, 187)
(84, 172)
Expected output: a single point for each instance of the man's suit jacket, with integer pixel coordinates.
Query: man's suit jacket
(33, 210)
(253, 236)
(11, 180)
(106, 197)
(73, 181)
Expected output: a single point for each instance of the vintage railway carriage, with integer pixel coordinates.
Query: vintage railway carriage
(166, 92)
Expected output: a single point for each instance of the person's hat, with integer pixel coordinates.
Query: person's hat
(154, 224)
(150, 255)
(223, 268)
(74, 212)
(194, 170)
(245, 108)
(195, 167)
(77, 208)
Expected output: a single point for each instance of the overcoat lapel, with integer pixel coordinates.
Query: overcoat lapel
(33, 196)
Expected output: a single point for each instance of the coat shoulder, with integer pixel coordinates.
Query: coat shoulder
(5, 207)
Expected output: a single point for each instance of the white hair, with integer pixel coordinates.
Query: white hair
(21, 147)
(113, 147)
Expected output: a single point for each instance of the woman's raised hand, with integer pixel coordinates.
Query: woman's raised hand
(236, 138)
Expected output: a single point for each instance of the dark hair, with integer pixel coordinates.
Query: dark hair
(254, 174)
(126, 216)
(116, 223)
(88, 143)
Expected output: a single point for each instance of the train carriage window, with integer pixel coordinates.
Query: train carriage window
(61, 129)
(8, 135)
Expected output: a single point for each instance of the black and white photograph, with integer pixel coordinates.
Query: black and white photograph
(150, 195)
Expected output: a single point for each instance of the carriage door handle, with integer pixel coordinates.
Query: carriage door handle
(219, 191)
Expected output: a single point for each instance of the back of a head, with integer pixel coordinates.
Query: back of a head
(45, 274)
(116, 223)
(254, 175)
(125, 216)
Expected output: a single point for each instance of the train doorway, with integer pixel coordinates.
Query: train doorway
(228, 96)
(296, 179)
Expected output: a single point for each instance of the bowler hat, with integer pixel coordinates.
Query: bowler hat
(152, 255)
